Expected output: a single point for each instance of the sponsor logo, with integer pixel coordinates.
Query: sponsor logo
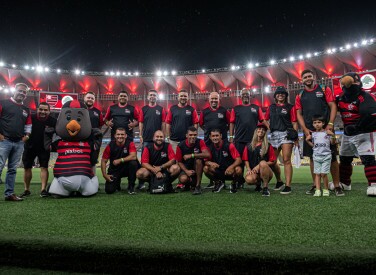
(368, 81)
(24, 113)
(253, 110)
(188, 112)
(220, 115)
(196, 150)
(125, 151)
(96, 114)
(284, 111)
(157, 112)
(319, 94)
(163, 154)
(127, 111)
(81, 143)
(73, 151)
(225, 154)
(347, 115)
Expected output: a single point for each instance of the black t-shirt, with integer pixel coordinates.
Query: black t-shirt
(152, 120)
(182, 119)
(314, 103)
(36, 141)
(158, 157)
(96, 117)
(121, 117)
(13, 118)
(246, 120)
(222, 156)
(214, 119)
(117, 152)
(280, 117)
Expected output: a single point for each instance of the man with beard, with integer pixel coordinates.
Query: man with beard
(34, 147)
(122, 115)
(315, 99)
(356, 141)
(96, 119)
(190, 155)
(214, 117)
(180, 117)
(158, 160)
(152, 118)
(15, 130)
(122, 155)
(224, 163)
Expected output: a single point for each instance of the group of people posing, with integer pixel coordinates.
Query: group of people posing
(235, 148)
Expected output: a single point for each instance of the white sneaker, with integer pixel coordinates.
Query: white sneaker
(371, 190)
(343, 186)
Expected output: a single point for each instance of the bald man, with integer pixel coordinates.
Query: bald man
(214, 117)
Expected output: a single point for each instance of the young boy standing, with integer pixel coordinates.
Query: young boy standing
(320, 140)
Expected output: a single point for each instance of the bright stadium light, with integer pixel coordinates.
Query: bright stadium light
(272, 62)
(129, 73)
(250, 65)
(112, 73)
(301, 57)
(117, 73)
(267, 89)
(316, 54)
(165, 73)
(173, 72)
(26, 67)
(233, 67)
(292, 58)
(203, 70)
(348, 47)
(161, 96)
(46, 69)
(106, 73)
(39, 69)
(159, 73)
(58, 71)
(136, 73)
(2, 64)
(14, 66)
(12, 89)
(364, 42)
(77, 72)
(257, 64)
(308, 55)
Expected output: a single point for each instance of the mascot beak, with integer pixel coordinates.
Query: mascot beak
(73, 128)
(347, 81)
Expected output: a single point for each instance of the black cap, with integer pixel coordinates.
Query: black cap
(280, 90)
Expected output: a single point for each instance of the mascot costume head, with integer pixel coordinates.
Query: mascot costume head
(353, 93)
(73, 167)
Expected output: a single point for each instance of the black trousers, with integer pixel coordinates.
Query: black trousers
(127, 169)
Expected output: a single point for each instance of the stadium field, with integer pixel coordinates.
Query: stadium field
(181, 233)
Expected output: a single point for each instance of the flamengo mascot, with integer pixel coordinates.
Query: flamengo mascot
(73, 168)
(358, 113)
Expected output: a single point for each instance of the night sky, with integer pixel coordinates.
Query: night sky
(136, 36)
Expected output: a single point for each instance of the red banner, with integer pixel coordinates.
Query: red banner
(54, 99)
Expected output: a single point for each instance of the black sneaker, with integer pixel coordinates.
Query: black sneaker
(265, 192)
(210, 185)
(278, 185)
(44, 193)
(197, 191)
(311, 191)
(218, 186)
(286, 190)
(339, 192)
(131, 191)
(140, 186)
(233, 188)
(25, 193)
(258, 188)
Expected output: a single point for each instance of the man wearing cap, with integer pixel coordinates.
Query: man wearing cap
(282, 116)
(314, 100)
(15, 129)
(179, 118)
(357, 140)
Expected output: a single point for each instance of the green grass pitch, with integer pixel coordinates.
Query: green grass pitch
(218, 232)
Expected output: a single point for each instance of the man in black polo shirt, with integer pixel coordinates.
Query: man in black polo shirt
(243, 121)
(158, 159)
(179, 118)
(214, 117)
(317, 99)
(152, 118)
(190, 155)
(122, 115)
(34, 147)
(224, 163)
(96, 119)
(15, 129)
(122, 155)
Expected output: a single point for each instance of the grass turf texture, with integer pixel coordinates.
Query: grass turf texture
(211, 233)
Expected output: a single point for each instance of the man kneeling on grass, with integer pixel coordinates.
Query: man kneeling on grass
(158, 165)
(224, 163)
(190, 154)
(259, 156)
(122, 154)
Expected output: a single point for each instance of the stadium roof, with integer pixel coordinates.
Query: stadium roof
(284, 72)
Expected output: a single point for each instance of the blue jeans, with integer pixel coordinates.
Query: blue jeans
(11, 151)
